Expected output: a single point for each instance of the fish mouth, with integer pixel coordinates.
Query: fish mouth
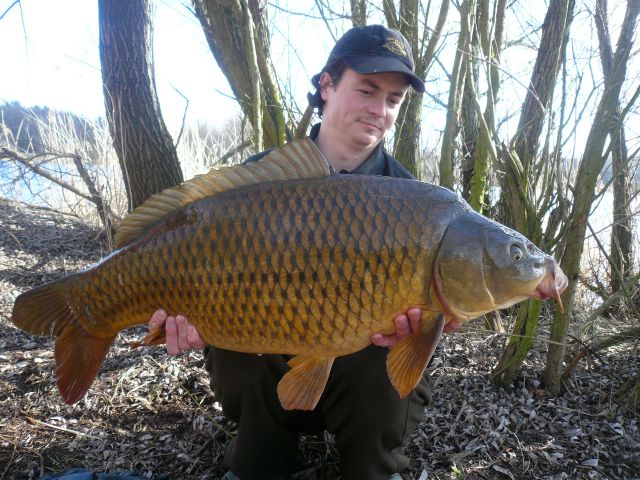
(551, 286)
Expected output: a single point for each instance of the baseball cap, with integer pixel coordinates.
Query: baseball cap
(374, 49)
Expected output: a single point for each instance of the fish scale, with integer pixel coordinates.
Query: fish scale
(349, 273)
(262, 261)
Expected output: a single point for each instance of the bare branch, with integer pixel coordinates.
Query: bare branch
(27, 162)
(9, 8)
(184, 116)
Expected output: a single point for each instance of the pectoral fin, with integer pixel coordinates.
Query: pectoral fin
(302, 386)
(410, 356)
(155, 336)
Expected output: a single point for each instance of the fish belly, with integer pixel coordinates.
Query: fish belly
(297, 267)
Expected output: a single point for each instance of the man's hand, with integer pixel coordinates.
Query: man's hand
(406, 324)
(180, 334)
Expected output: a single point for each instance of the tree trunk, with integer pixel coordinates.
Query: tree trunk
(518, 201)
(407, 138)
(543, 79)
(142, 142)
(358, 13)
(470, 124)
(621, 231)
(224, 23)
(254, 74)
(484, 151)
(467, 15)
(519, 344)
(534, 110)
(587, 176)
(390, 14)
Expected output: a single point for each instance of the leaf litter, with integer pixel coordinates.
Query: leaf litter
(156, 415)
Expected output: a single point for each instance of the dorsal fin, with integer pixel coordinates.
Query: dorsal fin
(295, 160)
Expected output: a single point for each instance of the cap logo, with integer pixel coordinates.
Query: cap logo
(396, 47)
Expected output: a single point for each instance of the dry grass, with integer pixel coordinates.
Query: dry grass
(156, 415)
(59, 138)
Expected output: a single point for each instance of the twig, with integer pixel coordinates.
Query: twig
(104, 212)
(301, 129)
(604, 306)
(233, 150)
(321, 6)
(184, 116)
(618, 338)
(14, 237)
(94, 197)
(625, 289)
(62, 429)
(8, 153)
(13, 454)
(49, 209)
(9, 8)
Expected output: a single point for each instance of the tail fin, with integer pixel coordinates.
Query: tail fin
(79, 354)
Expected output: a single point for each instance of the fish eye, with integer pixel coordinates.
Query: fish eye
(516, 253)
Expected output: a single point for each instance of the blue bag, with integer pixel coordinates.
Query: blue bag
(80, 474)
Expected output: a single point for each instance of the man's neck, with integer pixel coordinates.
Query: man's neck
(342, 156)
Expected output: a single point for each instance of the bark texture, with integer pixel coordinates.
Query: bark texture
(408, 123)
(621, 232)
(224, 25)
(520, 203)
(489, 39)
(407, 140)
(467, 18)
(535, 111)
(142, 142)
(358, 13)
(588, 172)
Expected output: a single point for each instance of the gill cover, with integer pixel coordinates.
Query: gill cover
(483, 266)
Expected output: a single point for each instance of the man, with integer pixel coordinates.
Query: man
(358, 96)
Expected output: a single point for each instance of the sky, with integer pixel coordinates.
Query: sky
(50, 57)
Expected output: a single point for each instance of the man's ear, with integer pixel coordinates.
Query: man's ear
(325, 82)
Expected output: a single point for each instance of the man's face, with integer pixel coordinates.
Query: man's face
(361, 109)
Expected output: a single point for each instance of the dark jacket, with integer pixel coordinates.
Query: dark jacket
(378, 163)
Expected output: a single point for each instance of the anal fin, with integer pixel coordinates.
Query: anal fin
(408, 359)
(155, 336)
(301, 387)
(79, 355)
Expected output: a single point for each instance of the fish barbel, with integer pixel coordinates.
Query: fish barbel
(285, 256)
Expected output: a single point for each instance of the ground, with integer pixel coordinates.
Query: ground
(156, 414)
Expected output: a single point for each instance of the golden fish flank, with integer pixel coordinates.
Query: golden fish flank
(284, 256)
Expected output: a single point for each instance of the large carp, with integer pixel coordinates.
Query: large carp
(285, 256)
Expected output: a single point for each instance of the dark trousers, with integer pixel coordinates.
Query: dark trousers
(371, 423)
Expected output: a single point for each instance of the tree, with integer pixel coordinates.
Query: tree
(358, 13)
(145, 150)
(458, 74)
(238, 37)
(621, 238)
(488, 30)
(407, 20)
(525, 202)
(593, 160)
